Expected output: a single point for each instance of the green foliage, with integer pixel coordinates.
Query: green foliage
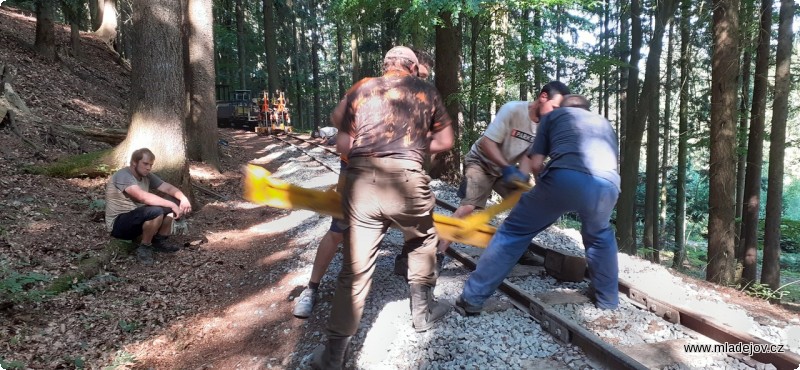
(761, 291)
(121, 360)
(790, 235)
(11, 364)
(791, 200)
(128, 326)
(82, 165)
(16, 286)
(78, 362)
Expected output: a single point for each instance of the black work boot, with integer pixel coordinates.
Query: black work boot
(330, 356)
(425, 310)
(144, 253)
(465, 309)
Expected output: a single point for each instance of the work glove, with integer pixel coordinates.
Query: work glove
(511, 174)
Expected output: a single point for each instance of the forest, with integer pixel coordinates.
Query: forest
(703, 96)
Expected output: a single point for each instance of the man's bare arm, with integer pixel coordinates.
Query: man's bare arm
(492, 150)
(141, 196)
(536, 164)
(185, 206)
(344, 142)
(442, 141)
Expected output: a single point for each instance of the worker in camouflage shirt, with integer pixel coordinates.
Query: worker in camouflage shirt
(388, 125)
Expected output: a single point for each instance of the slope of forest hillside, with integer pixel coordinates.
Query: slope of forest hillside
(87, 89)
(185, 312)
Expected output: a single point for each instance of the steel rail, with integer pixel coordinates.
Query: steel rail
(599, 351)
(679, 315)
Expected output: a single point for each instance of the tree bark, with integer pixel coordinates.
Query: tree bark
(201, 121)
(45, 44)
(771, 271)
(271, 46)
(524, 27)
(722, 166)
(108, 28)
(448, 51)
(744, 106)
(755, 149)
(157, 93)
(96, 13)
(665, 153)
(315, 65)
(240, 49)
(683, 134)
(354, 54)
(629, 169)
(340, 82)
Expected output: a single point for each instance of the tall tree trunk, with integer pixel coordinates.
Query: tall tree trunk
(722, 166)
(651, 229)
(271, 46)
(124, 37)
(626, 205)
(771, 271)
(354, 54)
(524, 28)
(623, 46)
(683, 134)
(755, 149)
(340, 82)
(45, 44)
(639, 110)
(539, 76)
(108, 29)
(96, 13)
(607, 50)
(315, 64)
(201, 121)
(448, 46)
(744, 105)
(74, 14)
(157, 92)
(241, 52)
(475, 28)
(298, 73)
(665, 154)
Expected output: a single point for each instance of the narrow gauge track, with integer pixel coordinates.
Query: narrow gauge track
(568, 331)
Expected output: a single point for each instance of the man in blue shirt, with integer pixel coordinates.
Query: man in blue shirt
(582, 176)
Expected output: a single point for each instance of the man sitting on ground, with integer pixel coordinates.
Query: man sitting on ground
(133, 212)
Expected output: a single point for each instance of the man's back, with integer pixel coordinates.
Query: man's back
(577, 139)
(391, 116)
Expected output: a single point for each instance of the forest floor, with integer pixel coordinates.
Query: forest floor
(223, 301)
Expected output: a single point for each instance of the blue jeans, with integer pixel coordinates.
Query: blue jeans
(559, 191)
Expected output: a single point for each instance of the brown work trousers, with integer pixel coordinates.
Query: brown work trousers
(380, 192)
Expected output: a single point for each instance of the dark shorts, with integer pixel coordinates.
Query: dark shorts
(128, 226)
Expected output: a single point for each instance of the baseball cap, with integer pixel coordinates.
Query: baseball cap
(401, 52)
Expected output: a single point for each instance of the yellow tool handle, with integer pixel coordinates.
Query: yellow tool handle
(260, 189)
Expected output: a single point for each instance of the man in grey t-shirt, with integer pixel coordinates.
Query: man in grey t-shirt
(582, 177)
(491, 163)
(133, 212)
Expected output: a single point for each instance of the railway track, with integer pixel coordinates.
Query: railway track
(550, 312)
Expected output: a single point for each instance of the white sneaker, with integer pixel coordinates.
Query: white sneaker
(305, 303)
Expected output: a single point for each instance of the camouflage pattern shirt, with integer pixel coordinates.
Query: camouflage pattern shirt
(393, 116)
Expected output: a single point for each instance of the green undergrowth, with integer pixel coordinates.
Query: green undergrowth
(82, 165)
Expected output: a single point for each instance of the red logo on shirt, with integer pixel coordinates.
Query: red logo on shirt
(522, 135)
